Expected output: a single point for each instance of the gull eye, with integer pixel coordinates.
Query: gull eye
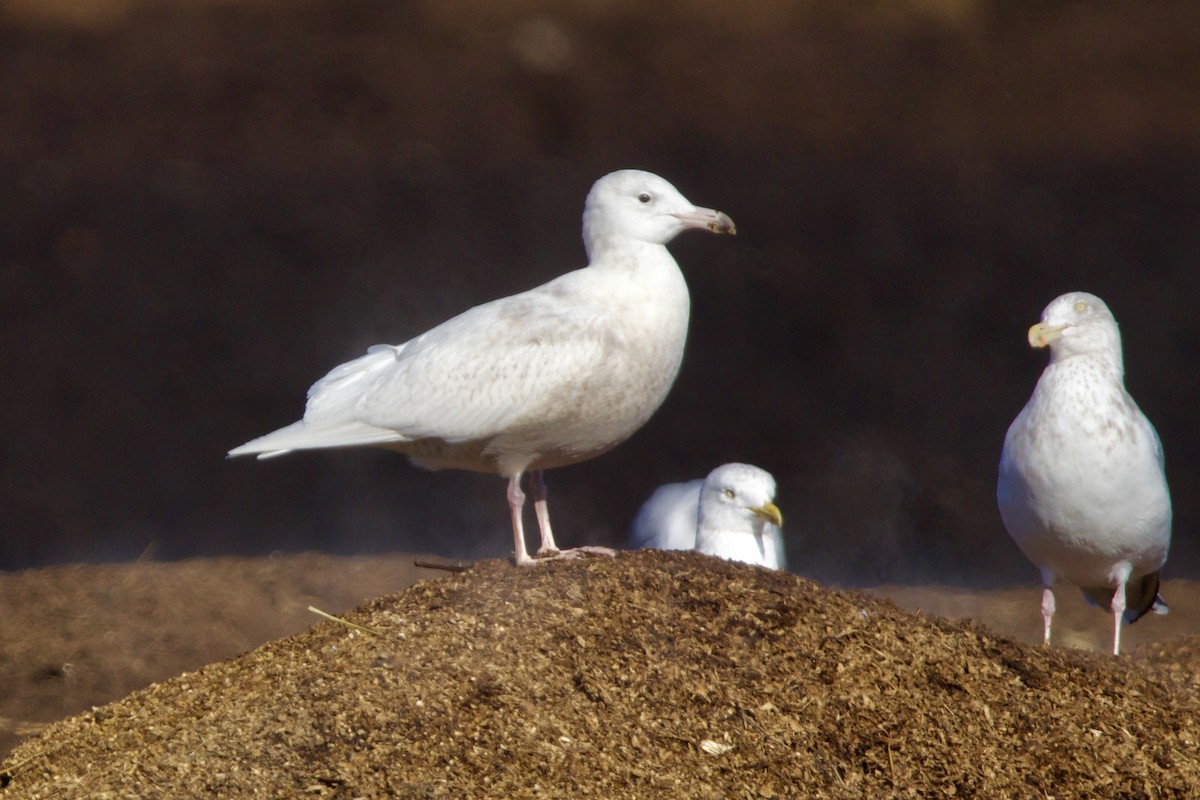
(644, 198)
(1080, 307)
(730, 493)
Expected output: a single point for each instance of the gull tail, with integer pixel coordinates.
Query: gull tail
(329, 413)
(304, 436)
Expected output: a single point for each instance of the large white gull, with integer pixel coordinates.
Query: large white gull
(549, 377)
(730, 514)
(1082, 488)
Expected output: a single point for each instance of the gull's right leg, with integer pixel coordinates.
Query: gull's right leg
(1047, 613)
(516, 505)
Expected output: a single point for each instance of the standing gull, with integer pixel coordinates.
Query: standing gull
(1082, 489)
(730, 514)
(556, 375)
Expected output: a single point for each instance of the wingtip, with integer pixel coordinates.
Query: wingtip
(249, 449)
(240, 450)
(1143, 597)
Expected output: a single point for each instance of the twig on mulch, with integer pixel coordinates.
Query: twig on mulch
(458, 567)
(345, 622)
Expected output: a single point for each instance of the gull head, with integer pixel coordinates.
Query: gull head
(640, 206)
(737, 498)
(1077, 323)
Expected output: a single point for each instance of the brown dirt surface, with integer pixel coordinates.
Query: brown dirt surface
(648, 675)
(1016, 612)
(79, 635)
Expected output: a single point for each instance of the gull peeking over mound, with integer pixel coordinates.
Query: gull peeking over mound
(1082, 489)
(553, 376)
(730, 514)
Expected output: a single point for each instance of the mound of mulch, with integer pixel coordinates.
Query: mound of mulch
(78, 635)
(1177, 657)
(648, 675)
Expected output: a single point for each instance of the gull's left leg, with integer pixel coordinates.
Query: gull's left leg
(1118, 612)
(549, 550)
(1048, 581)
(537, 485)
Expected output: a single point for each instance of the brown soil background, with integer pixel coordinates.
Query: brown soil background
(597, 679)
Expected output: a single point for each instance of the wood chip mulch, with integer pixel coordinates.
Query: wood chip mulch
(656, 675)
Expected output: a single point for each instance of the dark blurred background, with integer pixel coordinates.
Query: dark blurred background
(205, 205)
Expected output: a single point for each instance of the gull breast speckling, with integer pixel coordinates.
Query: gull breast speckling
(730, 514)
(1082, 488)
(549, 377)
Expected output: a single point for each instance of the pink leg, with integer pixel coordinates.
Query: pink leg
(549, 550)
(537, 483)
(516, 504)
(1118, 611)
(1047, 613)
